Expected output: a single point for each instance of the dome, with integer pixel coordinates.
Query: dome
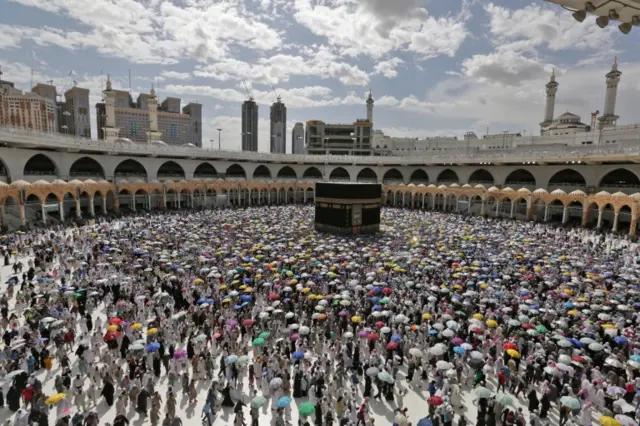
(558, 192)
(159, 142)
(422, 185)
(479, 186)
(123, 140)
(540, 191)
(454, 185)
(412, 185)
(508, 189)
(466, 185)
(138, 180)
(524, 191)
(102, 181)
(58, 182)
(401, 184)
(635, 196)
(209, 180)
(577, 192)
(189, 145)
(603, 194)
(156, 181)
(619, 194)
(169, 181)
(41, 182)
(20, 184)
(75, 182)
(90, 182)
(493, 189)
(442, 187)
(431, 186)
(123, 181)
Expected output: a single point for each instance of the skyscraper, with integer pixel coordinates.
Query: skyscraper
(250, 125)
(278, 131)
(297, 139)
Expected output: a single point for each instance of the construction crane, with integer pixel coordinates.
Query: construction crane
(594, 118)
(244, 82)
(278, 98)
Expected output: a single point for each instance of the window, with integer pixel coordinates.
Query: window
(173, 132)
(134, 128)
(195, 127)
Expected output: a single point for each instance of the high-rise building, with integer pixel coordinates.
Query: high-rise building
(278, 131)
(297, 139)
(78, 120)
(49, 91)
(146, 121)
(27, 110)
(250, 125)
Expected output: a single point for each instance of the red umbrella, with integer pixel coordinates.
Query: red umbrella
(380, 324)
(387, 291)
(577, 359)
(373, 337)
(273, 296)
(435, 400)
(116, 321)
(392, 345)
(247, 322)
(510, 345)
(112, 335)
(528, 326)
(478, 330)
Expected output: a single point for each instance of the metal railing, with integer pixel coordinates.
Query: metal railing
(21, 138)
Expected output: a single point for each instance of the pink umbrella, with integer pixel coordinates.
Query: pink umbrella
(294, 337)
(457, 341)
(180, 353)
(247, 322)
(232, 323)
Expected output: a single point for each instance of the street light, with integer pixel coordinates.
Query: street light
(219, 131)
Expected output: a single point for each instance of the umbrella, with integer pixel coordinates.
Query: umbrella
(571, 402)
(15, 373)
(153, 347)
(435, 400)
(504, 399)
(385, 377)
(283, 402)
(54, 399)
(306, 409)
(609, 421)
(258, 342)
(258, 401)
(625, 420)
(425, 422)
(275, 383)
(231, 359)
(372, 371)
(482, 392)
(401, 420)
(243, 360)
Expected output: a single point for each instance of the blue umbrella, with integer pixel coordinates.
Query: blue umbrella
(396, 338)
(283, 402)
(458, 350)
(246, 298)
(237, 307)
(425, 422)
(620, 340)
(298, 355)
(155, 346)
(231, 359)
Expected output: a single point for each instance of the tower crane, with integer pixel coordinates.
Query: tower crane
(244, 82)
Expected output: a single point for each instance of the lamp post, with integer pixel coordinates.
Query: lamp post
(219, 132)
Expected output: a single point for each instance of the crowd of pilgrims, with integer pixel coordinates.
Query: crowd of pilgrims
(209, 316)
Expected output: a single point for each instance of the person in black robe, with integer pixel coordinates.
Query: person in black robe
(297, 385)
(226, 397)
(190, 351)
(143, 397)
(367, 387)
(319, 418)
(124, 346)
(319, 387)
(13, 399)
(533, 401)
(120, 420)
(545, 402)
(107, 392)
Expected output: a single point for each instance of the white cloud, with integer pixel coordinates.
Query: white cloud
(174, 75)
(357, 30)
(503, 66)
(388, 68)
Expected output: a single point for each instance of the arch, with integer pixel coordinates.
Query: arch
(86, 167)
(419, 176)
(567, 177)
(4, 170)
(40, 164)
(392, 175)
(340, 173)
(170, 170)
(236, 171)
(619, 178)
(312, 173)
(262, 172)
(367, 175)
(129, 168)
(205, 170)
(447, 176)
(520, 177)
(287, 173)
(481, 176)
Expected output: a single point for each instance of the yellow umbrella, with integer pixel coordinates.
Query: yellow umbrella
(356, 319)
(152, 331)
(222, 287)
(306, 290)
(426, 316)
(478, 316)
(492, 323)
(573, 313)
(136, 326)
(609, 421)
(198, 281)
(513, 353)
(112, 328)
(608, 326)
(54, 399)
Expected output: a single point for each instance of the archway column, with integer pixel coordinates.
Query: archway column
(23, 216)
(92, 210)
(469, 205)
(498, 204)
(61, 210)
(133, 202)
(513, 209)
(305, 196)
(546, 212)
(149, 201)
(43, 213)
(585, 213)
(424, 199)
(565, 214)
(616, 217)
(78, 210)
(599, 225)
(104, 205)
(204, 198)
(178, 198)
(433, 203)
(482, 208)
(633, 226)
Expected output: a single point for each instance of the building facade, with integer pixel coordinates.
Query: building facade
(26, 110)
(278, 128)
(76, 104)
(297, 139)
(339, 139)
(250, 125)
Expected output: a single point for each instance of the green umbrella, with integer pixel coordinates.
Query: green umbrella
(258, 342)
(243, 360)
(258, 401)
(385, 377)
(306, 409)
(264, 335)
(482, 392)
(542, 329)
(504, 399)
(571, 402)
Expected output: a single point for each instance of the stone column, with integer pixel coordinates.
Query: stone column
(23, 216)
(78, 209)
(61, 210)
(92, 211)
(633, 226)
(204, 198)
(482, 208)
(269, 197)
(433, 202)
(565, 214)
(546, 212)
(178, 199)
(498, 204)
(149, 201)
(43, 213)
(599, 225)
(133, 202)
(305, 196)
(424, 199)
(104, 205)
(615, 221)
(164, 200)
(513, 209)
(585, 214)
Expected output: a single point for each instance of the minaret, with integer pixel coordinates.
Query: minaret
(609, 116)
(550, 106)
(109, 130)
(370, 107)
(153, 134)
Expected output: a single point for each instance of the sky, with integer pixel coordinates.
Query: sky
(435, 67)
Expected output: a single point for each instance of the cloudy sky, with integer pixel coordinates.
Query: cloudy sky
(436, 67)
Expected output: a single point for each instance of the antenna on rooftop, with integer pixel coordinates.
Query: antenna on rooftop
(244, 82)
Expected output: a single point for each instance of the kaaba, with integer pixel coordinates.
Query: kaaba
(348, 208)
